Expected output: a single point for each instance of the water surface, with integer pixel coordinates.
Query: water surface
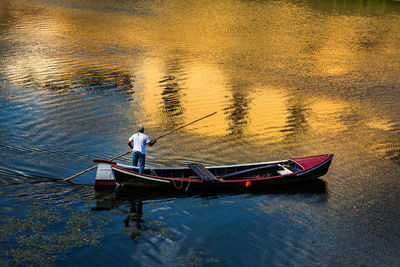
(287, 79)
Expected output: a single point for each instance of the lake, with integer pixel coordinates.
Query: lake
(286, 78)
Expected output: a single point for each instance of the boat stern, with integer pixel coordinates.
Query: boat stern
(104, 175)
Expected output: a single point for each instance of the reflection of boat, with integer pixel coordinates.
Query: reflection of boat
(110, 198)
(196, 176)
(132, 202)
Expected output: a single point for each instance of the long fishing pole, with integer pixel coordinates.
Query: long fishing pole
(123, 154)
(183, 126)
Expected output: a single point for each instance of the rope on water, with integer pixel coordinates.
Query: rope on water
(41, 150)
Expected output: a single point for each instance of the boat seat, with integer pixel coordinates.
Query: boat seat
(202, 172)
(269, 167)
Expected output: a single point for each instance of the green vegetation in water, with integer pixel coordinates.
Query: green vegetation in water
(198, 258)
(46, 232)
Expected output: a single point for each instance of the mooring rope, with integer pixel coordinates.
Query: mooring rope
(187, 187)
(180, 187)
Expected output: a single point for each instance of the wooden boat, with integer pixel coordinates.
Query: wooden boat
(197, 176)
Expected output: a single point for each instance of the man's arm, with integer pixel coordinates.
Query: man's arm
(152, 142)
(130, 144)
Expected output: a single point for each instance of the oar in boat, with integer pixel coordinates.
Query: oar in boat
(123, 154)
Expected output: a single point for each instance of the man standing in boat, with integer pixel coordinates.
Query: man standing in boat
(138, 143)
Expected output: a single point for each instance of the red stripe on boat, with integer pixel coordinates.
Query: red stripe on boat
(104, 161)
(104, 183)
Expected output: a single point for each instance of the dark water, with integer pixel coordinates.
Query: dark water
(287, 78)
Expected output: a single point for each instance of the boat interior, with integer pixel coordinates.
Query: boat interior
(231, 172)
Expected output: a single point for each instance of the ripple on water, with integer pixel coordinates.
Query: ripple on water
(287, 79)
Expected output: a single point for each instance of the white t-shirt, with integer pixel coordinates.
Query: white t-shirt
(139, 141)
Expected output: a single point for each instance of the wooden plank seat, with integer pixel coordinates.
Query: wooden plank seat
(202, 172)
(269, 167)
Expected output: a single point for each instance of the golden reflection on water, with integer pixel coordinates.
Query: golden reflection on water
(286, 78)
(262, 65)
